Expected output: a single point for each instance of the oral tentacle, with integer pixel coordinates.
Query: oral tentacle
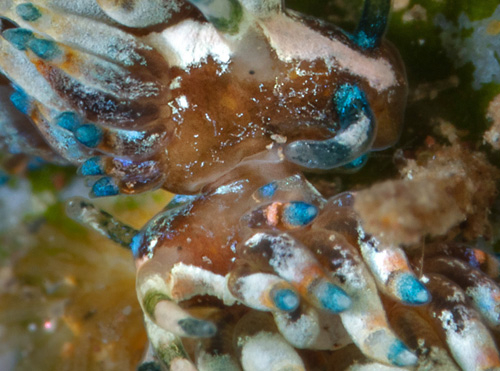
(373, 23)
(83, 211)
(356, 135)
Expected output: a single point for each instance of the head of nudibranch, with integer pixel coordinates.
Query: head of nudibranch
(260, 79)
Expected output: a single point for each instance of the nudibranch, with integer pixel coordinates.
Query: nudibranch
(226, 102)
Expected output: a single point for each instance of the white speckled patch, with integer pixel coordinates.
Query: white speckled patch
(293, 40)
(189, 43)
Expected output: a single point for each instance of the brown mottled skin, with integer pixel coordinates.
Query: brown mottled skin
(233, 115)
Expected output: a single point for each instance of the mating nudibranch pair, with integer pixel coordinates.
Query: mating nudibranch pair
(228, 101)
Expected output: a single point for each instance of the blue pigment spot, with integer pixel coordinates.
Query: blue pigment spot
(21, 101)
(400, 355)
(364, 41)
(19, 37)
(357, 163)
(28, 12)
(286, 300)
(45, 49)
(104, 187)
(373, 23)
(411, 290)
(333, 298)
(268, 190)
(89, 135)
(350, 101)
(68, 120)
(299, 213)
(92, 167)
(135, 244)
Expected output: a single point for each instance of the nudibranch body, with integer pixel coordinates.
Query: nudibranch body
(226, 102)
(272, 78)
(276, 81)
